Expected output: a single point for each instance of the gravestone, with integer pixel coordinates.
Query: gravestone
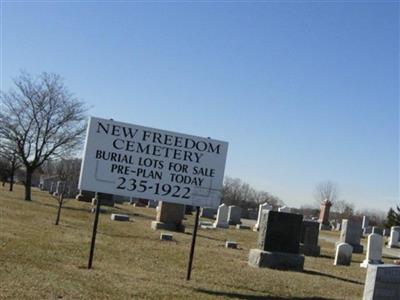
(241, 226)
(231, 244)
(52, 188)
(60, 188)
(208, 212)
(121, 199)
(234, 215)
(377, 230)
(324, 215)
(119, 217)
(46, 184)
(249, 213)
(396, 228)
(393, 239)
(166, 236)
(382, 282)
(278, 245)
(105, 199)
(343, 255)
(351, 234)
(367, 230)
(285, 209)
(386, 232)
(365, 222)
(309, 238)
(261, 208)
(139, 202)
(222, 217)
(85, 196)
(169, 217)
(152, 204)
(188, 209)
(338, 226)
(374, 250)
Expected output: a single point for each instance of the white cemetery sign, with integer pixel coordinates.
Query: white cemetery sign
(136, 161)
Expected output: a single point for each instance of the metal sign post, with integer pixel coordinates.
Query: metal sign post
(196, 225)
(96, 220)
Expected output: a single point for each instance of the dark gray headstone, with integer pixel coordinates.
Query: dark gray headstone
(166, 236)
(231, 244)
(105, 199)
(85, 196)
(188, 209)
(377, 230)
(234, 215)
(382, 282)
(119, 217)
(367, 230)
(309, 238)
(208, 212)
(280, 232)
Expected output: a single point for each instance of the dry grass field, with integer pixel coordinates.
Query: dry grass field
(39, 260)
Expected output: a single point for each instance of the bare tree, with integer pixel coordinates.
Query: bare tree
(343, 208)
(237, 192)
(43, 119)
(326, 190)
(10, 161)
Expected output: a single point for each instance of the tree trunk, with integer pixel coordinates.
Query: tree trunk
(12, 178)
(28, 183)
(60, 203)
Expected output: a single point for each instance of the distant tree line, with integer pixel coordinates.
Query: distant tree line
(239, 193)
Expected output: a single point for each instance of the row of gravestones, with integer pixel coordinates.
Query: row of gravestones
(367, 229)
(231, 215)
(227, 215)
(58, 187)
(382, 281)
(284, 237)
(350, 243)
(279, 246)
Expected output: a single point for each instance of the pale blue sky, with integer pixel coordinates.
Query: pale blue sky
(302, 91)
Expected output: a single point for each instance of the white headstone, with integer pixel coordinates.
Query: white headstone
(382, 282)
(222, 217)
(343, 255)
(374, 250)
(364, 222)
(393, 239)
(262, 207)
(285, 209)
(396, 228)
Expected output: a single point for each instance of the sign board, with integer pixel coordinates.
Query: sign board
(142, 162)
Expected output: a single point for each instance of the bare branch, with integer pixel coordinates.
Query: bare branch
(42, 118)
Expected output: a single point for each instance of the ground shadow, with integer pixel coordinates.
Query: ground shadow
(253, 297)
(389, 257)
(103, 210)
(327, 256)
(312, 272)
(55, 206)
(206, 237)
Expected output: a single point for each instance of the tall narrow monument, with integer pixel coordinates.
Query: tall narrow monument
(324, 215)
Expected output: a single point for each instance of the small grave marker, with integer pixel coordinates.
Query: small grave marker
(119, 217)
